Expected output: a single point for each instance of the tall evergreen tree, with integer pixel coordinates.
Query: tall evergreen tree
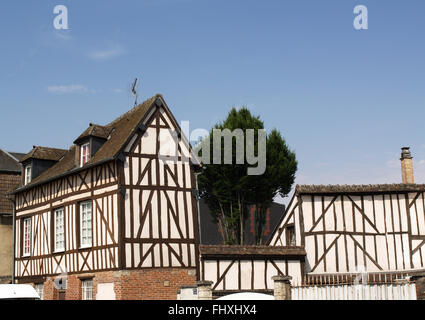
(227, 188)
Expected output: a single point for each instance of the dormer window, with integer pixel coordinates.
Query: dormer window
(38, 160)
(28, 172)
(90, 141)
(85, 153)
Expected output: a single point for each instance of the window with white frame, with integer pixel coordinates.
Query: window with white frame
(27, 174)
(85, 153)
(87, 289)
(59, 230)
(26, 243)
(86, 223)
(39, 287)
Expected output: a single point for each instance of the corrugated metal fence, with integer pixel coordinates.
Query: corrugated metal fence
(353, 287)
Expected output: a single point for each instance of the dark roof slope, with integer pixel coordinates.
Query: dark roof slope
(9, 161)
(66, 164)
(122, 129)
(119, 131)
(17, 155)
(370, 188)
(44, 153)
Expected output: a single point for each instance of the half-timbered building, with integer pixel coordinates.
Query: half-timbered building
(113, 217)
(233, 268)
(347, 229)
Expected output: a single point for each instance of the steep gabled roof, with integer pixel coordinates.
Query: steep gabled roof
(119, 133)
(122, 129)
(9, 161)
(44, 153)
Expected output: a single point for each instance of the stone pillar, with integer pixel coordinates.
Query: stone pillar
(204, 290)
(282, 287)
(187, 293)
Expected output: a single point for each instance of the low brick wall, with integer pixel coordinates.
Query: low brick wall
(154, 284)
(145, 284)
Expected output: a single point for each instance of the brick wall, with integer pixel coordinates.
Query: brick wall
(7, 182)
(145, 284)
(420, 288)
(154, 284)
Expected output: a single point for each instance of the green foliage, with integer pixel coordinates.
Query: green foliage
(228, 190)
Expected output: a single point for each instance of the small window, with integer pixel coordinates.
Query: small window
(290, 235)
(59, 230)
(85, 153)
(27, 237)
(39, 287)
(87, 289)
(86, 224)
(27, 174)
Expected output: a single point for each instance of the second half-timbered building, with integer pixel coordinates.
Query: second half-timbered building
(350, 229)
(114, 216)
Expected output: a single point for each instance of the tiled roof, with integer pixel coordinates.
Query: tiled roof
(122, 129)
(9, 161)
(118, 133)
(222, 251)
(8, 180)
(370, 188)
(95, 130)
(44, 153)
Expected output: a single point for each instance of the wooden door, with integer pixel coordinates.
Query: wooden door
(61, 295)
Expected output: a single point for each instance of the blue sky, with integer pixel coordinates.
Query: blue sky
(345, 100)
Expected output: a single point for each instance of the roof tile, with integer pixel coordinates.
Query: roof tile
(44, 153)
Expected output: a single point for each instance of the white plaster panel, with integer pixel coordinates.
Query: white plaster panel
(210, 270)
(149, 141)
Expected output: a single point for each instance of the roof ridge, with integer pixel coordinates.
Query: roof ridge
(135, 108)
(11, 156)
(385, 187)
(51, 148)
(356, 185)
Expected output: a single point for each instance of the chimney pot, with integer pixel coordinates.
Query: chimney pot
(405, 153)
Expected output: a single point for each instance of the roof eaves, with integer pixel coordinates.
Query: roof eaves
(64, 174)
